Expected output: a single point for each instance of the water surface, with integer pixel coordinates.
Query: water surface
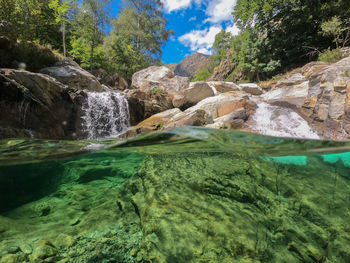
(188, 195)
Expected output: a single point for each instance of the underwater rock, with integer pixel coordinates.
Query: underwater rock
(43, 251)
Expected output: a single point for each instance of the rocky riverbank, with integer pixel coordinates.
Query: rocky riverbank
(48, 104)
(318, 94)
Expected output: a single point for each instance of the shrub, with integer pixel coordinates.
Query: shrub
(331, 56)
(157, 91)
(202, 75)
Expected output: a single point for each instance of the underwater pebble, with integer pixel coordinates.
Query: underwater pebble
(43, 252)
(64, 240)
(26, 249)
(12, 258)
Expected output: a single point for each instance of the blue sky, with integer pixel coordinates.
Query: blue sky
(195, 22)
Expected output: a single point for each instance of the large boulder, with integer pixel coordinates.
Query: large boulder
(71, 74)
(221, 104)
(222, 86)
(35, 105)
(153, 90)
(293, 94)
(196, 92)
(251, 88)
(152, 73)
(328, 100)
(229, 110)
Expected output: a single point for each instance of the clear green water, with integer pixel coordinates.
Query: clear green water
(189, 195)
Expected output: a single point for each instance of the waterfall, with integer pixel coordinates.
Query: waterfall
(281, 122)
(106, 114)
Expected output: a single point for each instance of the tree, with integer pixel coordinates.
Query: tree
(29, 20)
(61, 9)
(88, 25)
(334, 27)
(221, 45)
(137, 37)
(280, 33)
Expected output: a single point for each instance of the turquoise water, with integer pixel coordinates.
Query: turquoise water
(188, 195)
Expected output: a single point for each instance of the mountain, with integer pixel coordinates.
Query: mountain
(191, 65)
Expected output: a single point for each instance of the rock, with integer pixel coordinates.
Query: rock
(169, 119)
(171, 66)
(196, 92)
(219, 105)
(43, 252)
(291, 94)
(226, 67)
(233, 107)
(153, 73)
(251, 88)
(326, 104)
(222, 86)
(192, 64)
(63, 241)
(237, 118)
(145, 103)
(70, 73)
(12, 258)
(154, 90)
(26, 249)
(112, 81)
(33, 104)
(291, 80)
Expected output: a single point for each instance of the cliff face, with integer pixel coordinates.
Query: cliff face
(191, 65)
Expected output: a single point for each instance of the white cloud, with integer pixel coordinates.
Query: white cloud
(201, 40)
(233, 29)
(173, 5)
(220, 10)
(194, 18)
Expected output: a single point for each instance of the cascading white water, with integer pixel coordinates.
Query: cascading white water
(106, 114)
(281, 122)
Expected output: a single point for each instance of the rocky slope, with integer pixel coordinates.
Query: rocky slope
(191, 65)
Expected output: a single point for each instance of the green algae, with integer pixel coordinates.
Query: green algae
(190, 195)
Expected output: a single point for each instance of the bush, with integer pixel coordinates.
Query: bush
(331, 55)
(202, 75)
(157, 91)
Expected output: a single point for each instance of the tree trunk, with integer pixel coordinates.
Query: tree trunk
(91, 55)
(64, 38)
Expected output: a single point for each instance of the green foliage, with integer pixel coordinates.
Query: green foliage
(29, 20)
(221, 46)
(157, 91)
(202, 75)
(334, 27)
(276, 35)
(137, 37)
(88, 34)
(78, 29)
(331, 56)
